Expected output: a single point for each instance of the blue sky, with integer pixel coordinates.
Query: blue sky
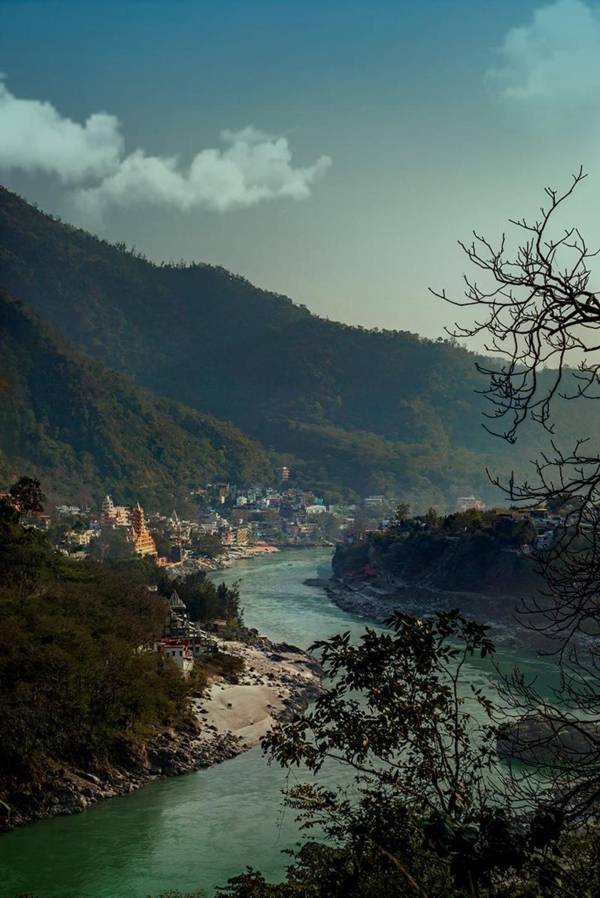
(381, 133)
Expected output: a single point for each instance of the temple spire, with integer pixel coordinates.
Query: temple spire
(139, 534)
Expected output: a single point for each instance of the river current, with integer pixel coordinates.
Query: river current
(194, 831)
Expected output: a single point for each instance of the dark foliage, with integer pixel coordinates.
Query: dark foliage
(86, 431)
(471, 551)
(79, 682)
(27, 495)
(537, 308)
(423, 817)
(208, 544)
(205, 601)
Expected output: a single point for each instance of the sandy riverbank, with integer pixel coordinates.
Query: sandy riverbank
(243, 553)
(276, 679)
(226, 721)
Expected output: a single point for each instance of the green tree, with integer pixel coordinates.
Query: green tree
(80, 683)
(422, 817)
(27, 495)
(204, 600)
(401, 513)
(208, 544)
(432, 518)
(112, 544)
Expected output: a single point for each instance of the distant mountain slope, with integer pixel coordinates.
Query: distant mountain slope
(85, 430)
(355, 409)
(217, 342)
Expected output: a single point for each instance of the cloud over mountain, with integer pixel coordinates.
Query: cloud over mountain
(250, 166)
(552, 63)
(34, 137)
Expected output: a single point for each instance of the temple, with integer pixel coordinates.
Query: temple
(183, 641)
(139, 534)
(178, 623)
(114, 515)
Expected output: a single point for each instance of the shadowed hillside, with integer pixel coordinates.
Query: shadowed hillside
(356, 410)
(84, 430)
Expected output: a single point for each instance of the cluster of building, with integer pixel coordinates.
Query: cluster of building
(545, 525)
(134, 519)
(138, 534)
(182, 640)
(239, 523)
(89, 527)
(281, 517)
(231, 522)
(236, 522)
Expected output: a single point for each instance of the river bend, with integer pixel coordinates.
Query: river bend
(192, 831)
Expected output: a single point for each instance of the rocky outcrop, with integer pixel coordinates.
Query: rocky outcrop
(536, 739)
(377, 600)
(68, 790)
(478, 561)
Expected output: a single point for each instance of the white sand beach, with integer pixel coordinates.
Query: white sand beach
(271, 681)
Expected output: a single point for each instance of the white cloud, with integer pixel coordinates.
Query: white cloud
(250, 167)
(552, 64)
(34, 137)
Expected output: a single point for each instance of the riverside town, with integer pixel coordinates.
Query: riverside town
(299, 449)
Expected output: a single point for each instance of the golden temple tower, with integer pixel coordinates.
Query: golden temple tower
(139, 535)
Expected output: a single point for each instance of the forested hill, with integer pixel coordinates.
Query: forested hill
(84, 430)
(356, 409)
(217, 342)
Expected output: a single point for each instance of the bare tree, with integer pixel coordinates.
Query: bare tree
(541, 320)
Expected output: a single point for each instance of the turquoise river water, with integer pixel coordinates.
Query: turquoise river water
(193, 831)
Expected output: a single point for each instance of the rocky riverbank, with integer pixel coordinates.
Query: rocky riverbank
(228, 557)
(228, 719)
(378, 601)
(549, 740)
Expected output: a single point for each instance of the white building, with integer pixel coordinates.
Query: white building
(180, 652)
(114, 515)
(466, 503)
(315, 509)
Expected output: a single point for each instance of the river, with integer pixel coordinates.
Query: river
(192, 831)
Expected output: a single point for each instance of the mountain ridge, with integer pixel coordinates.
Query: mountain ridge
(84, 430)
(353, 411)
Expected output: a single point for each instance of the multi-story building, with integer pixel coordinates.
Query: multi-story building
(139, 534)
(179, 651)
(183, 641)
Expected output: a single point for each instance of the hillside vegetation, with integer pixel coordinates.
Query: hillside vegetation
(74, 685)
(469, 551)
(354, 410)
(85, 430)
(83, 688)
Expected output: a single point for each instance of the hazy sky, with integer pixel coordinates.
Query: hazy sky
(332, 151)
